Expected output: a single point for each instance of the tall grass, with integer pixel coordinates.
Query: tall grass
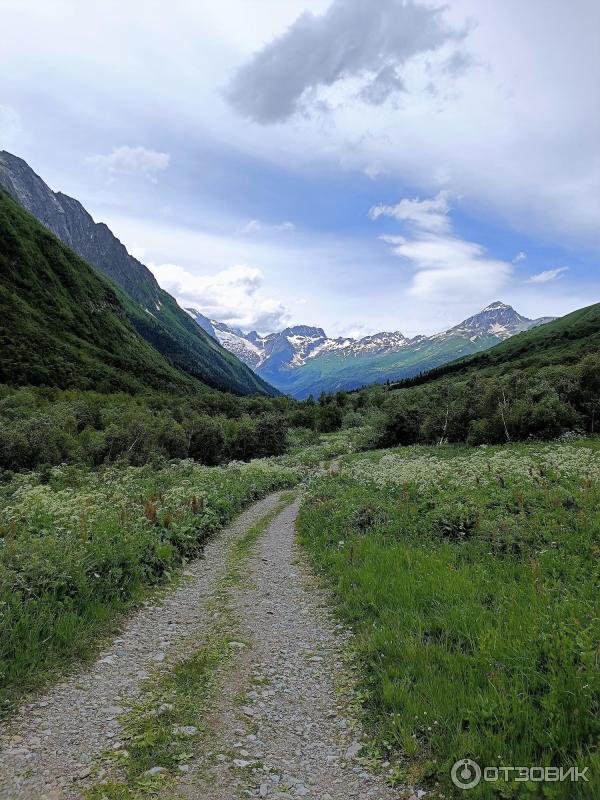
(471, 580)
(79, 547)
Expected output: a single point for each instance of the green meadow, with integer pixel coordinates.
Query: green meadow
(470, 577)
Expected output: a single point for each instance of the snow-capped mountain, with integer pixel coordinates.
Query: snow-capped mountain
(497, 319)
(231, 339)
(293, 347)
(302, 359)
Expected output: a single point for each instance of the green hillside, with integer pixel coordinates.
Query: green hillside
(61, 324)
(560, 343)
(176, 336)
(153, 312)
(538, 385)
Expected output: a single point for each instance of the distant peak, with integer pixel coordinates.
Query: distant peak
(304, 330)
(498, 305)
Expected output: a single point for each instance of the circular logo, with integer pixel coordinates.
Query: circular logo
(466, 774)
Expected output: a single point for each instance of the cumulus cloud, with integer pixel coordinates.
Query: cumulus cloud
(10, 125)
(126, 160)
(231, 295)
(352, 39)
(548, 275)
(521, 256)
(445, 266)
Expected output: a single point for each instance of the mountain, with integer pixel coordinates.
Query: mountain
(557, 344)
(303, 360)
(156, 315)
(62, 324)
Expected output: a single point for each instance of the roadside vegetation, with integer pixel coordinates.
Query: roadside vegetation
(47, 427)
(537, 385)
(78, 547)
(471, 579)
(103, 496)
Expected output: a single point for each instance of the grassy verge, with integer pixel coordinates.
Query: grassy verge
(79, 548)
(166, 728)
(470, 578)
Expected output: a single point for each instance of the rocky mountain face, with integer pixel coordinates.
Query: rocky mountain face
(73, 225)
(161, 321)
(303, 360)
(233, 340)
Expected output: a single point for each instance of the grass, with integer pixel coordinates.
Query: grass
(80, 548)
(174, 700)
(180, 697)
(470, 577)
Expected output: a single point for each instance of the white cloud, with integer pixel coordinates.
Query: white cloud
(548, 275)
(521, 256)
(255, 226)
(445, 266)
(430, 215)
(10, 126)
(480, 128)
(352, 39)
(516, 132)
(231, 295)
(126, 160)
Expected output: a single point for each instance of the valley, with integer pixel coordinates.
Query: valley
(213, 584)
(299, 400)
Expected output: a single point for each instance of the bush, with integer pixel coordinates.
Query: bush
(484, 409)
(206, 440)
(49, 426)
(80, 546)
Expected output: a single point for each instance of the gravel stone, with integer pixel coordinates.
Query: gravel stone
(294, 728)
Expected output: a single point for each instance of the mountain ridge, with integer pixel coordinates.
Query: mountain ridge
(64, 325)
(303, 360)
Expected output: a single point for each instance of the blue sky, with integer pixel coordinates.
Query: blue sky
(359, 165)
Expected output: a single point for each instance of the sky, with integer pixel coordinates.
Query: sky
(360, 165)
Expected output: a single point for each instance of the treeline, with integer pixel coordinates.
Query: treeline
(487, 407)
(50, 426)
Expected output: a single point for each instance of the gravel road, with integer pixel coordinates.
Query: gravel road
(283, 726)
